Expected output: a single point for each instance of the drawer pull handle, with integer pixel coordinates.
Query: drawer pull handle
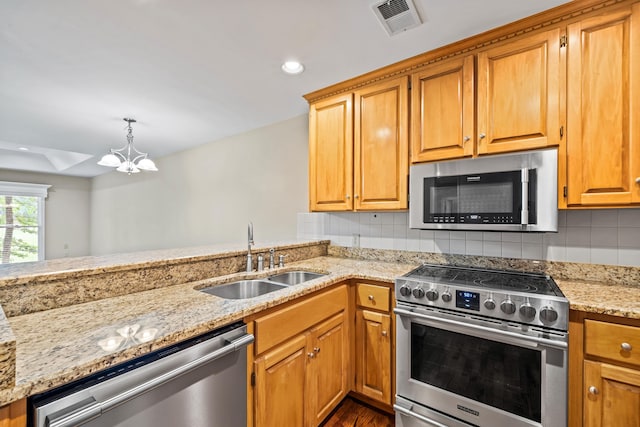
(371, 298)
(593, 390)
(625, 346)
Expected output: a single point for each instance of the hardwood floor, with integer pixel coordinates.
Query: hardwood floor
(353, 413)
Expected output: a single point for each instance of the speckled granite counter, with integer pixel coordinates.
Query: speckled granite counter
(31, 287)
(62, 344)
(612, 299)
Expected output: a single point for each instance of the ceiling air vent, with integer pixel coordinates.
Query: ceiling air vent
(397, 16)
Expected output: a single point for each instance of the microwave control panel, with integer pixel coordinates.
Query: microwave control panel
(474, 219)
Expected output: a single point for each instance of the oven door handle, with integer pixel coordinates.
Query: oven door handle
(511, 337)
(410, 413)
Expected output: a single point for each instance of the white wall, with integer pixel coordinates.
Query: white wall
(607, 236)
(67, 211)
(208, 194)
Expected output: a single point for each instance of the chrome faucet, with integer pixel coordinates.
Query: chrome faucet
(272, 256)
(249, 243)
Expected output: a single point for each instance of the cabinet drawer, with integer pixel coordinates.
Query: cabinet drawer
(372, 296)
(611, 341)
(276, 327)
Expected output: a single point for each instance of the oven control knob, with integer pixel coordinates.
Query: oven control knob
(507, 306)
(489, 304)
(405, 290)
(548, 315)
(432, 294)
(446, 296)
(418, 292)
(527, 311)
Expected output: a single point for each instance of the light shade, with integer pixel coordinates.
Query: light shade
(128, 167)
(110, 160)
(147, 165)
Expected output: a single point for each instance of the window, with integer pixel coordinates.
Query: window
(22, 221)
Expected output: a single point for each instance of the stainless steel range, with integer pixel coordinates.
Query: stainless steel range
(480, 347)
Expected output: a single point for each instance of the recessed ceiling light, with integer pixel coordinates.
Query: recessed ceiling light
(292, 67)
(23, 149)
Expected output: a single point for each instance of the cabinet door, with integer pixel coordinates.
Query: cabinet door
(603, 119)
(14, 414)
(519, 94)
(612, 395)
(373, 355)
(442, 111)
(328, 367)
(331, 154)
(281, 389)
(381, 161)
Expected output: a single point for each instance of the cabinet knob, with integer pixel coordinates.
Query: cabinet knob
(355, 196)
(625, 346)
(466, 139)
(316, 349)
(371, 298)
(482, 136)
(384, 333)
(347, 196)
(311, 355)
(638, 180)
(593, 390)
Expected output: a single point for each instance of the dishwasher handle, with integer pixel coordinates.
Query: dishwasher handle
(90, 408)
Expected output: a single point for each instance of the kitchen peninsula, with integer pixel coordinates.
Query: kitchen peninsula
(55, 345)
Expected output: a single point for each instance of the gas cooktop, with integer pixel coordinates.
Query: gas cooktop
(527, 298)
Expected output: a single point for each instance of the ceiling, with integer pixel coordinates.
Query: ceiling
(190, 71)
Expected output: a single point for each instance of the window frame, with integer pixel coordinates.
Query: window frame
(41, 191)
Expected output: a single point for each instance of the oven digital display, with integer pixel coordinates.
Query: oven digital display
(468, 300)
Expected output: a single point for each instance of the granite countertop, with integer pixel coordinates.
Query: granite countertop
(621, 300)
(63, 344)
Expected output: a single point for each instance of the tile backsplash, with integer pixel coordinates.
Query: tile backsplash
(608, 236)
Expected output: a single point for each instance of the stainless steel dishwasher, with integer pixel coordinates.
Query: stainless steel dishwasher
(197, 383)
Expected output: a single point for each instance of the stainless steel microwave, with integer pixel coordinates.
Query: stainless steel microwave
(506, 192)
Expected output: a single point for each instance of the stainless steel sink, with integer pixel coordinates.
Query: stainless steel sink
(243, 289)
(295, 277)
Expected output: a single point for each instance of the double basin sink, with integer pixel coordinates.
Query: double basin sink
(243, 289)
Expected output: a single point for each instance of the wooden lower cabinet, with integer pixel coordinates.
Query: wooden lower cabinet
(612, 395)
(328, 360)
(301, 365)
(14, 414)
(374, 348)
(281, 390)
(373, 355)
(604, 376)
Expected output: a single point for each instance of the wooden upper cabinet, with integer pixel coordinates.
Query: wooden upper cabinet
(331, 154)
(359, 150)
(442, 111)
(519, 94)
(381, 160)
(603, 114)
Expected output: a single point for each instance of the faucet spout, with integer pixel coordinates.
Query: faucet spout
(249, 243)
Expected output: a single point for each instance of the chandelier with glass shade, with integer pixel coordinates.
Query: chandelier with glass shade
(127, 159)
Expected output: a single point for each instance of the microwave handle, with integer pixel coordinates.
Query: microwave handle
(524, 180)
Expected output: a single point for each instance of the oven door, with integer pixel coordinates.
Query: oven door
(479, 371)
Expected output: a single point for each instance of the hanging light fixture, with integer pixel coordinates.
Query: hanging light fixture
(127, 159)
